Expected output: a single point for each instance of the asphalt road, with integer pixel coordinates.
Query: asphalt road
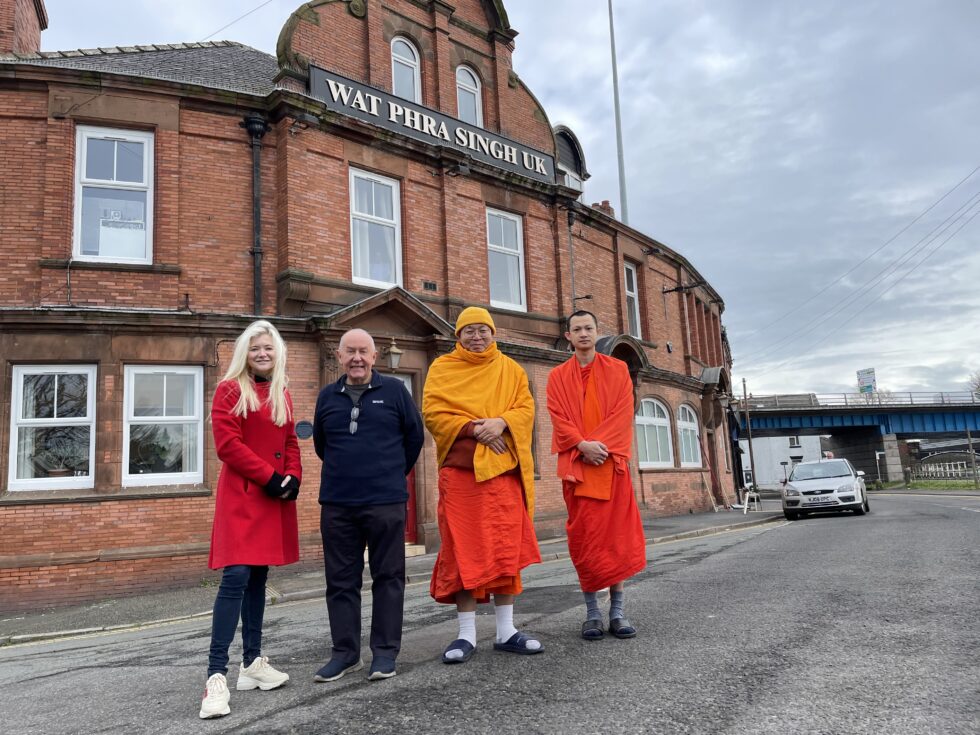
(834, 624)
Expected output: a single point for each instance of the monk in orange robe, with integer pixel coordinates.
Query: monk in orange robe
(590, 399)
(479, 409)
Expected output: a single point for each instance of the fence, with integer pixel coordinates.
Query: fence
(943, 471)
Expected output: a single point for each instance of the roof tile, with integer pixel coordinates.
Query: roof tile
(215, 64)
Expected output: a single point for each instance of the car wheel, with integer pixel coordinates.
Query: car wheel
(791, 515)
(867, 505)
(861, 509)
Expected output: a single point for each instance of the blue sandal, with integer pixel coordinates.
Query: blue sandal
(517, 643)
(460, 644)
(622, 628)
(592, 629)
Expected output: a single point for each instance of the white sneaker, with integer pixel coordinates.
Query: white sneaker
(216, 696)
(260, 674)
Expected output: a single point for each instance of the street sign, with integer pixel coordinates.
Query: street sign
(866, 381)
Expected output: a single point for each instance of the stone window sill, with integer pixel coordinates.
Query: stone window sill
(84, 265)
(43, 497)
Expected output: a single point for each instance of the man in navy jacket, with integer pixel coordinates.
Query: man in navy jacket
(368, 433)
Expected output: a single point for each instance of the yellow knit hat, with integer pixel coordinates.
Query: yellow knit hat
(474, 315)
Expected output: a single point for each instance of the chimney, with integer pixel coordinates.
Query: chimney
(605, 207)
(21, 23)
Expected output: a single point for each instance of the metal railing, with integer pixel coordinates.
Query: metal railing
(860, 400)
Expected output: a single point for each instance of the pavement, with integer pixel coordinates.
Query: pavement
(302, 583)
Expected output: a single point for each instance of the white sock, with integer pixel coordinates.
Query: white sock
(467, 631)
(505, 622)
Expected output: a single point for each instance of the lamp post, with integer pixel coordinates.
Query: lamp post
(748, 428)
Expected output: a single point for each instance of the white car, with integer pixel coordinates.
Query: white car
(826, 484)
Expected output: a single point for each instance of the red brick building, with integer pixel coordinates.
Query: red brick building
(385, 169)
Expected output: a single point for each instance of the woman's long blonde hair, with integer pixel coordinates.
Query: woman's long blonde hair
(238, 371)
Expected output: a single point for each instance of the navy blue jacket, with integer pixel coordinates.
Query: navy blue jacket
(369, 466)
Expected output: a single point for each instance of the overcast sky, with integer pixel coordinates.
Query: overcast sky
(789, 149)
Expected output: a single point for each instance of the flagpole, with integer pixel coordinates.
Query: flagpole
(623, 210)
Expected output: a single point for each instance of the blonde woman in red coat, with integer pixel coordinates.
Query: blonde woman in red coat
(254, 516)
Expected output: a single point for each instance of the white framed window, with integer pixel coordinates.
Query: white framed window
(469, 98)
(687, 430)
(52, 427)
(632, 288)
(406, 71)
(653, 435)
(163, 425)
(794, 441)
(113, 195)
(573, 180)
(375, 225)
(505, 246)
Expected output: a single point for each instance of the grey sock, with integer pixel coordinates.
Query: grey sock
(591, 606)
(616, 604)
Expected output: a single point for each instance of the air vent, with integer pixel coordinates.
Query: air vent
(430, 286)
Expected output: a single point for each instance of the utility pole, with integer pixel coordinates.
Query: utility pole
(623, 210)
(748, 428)
(973, 459)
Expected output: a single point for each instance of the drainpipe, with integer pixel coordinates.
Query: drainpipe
(571, 254)
(256, 126)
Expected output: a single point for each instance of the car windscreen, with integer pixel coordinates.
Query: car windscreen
(820, 470)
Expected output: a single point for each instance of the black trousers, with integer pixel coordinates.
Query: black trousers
(346, 530)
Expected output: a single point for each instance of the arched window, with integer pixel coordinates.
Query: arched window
(469, 104)
(687, 430)
(406, 74)
(653, 435)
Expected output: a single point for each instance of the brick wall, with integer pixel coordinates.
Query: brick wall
(202, 238)
(20, 26)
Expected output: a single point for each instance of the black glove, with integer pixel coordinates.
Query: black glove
(275, 488)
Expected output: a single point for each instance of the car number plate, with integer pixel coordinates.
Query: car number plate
(821, 499)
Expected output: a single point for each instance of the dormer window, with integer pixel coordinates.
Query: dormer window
(406, 71)
(469, 103)
(571, 160)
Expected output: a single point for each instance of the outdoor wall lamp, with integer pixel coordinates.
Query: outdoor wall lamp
(394, 355)
(460, 169)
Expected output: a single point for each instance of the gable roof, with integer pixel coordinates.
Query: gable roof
(214, 64)
(393, 307)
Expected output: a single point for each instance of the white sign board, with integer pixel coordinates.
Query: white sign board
(866, 381)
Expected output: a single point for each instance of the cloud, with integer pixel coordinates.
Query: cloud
(776, 145)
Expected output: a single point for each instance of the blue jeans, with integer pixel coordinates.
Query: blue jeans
(241, 594)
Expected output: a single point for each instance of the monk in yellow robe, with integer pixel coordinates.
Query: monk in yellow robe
(479, 409)
(590, 400)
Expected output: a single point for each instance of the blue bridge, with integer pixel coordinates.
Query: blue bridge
(863, 425)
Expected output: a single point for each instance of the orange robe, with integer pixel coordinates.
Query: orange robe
(485, 514)
(605, 533)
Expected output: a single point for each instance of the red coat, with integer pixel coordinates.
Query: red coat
(251, 527)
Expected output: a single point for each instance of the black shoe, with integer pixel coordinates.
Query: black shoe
(336, 668)
(592, 629)
(621, 628)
